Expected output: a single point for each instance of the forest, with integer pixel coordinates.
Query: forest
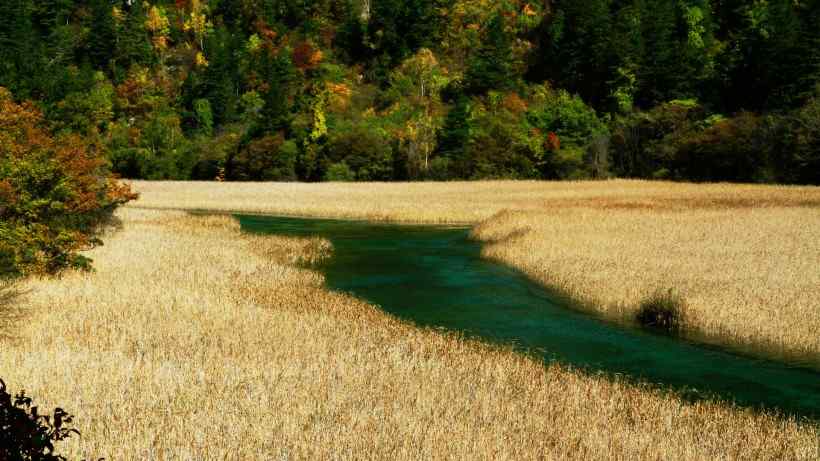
(396, 90)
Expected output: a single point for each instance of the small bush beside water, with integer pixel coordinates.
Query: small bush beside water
(663, 311)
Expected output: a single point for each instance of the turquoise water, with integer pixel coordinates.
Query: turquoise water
(435, 277)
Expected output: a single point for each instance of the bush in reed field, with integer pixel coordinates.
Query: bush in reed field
(663, 311)
(54, 193)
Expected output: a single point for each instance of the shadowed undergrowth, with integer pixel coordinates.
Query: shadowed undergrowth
(664, 311)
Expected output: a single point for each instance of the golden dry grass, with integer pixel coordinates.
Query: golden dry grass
(193, 342)
(459, 202)
(744, 258)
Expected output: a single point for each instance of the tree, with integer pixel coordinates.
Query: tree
(132, 46)
(277, 73)
(158, 26)
(490, 66)
(18, 56)
(456, 132)
(102, 34)
(397, 28)
(577, 48)
(54, 192)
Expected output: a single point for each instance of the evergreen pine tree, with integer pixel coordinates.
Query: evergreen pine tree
(490, 67)
(658, 77)
(220, 79)
(17, 46)
(278, 73)
(455, 135)
(133, 45)
(102, 34)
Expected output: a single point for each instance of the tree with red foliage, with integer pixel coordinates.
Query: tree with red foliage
(553, 143)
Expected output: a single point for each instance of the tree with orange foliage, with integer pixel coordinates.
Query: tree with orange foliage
(306, 56)
(54, 193)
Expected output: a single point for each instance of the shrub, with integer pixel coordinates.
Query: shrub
(54, 193)
(270, 158)
(439, 169)
(25, 434)
(499, 148)
(663, 311)
(567, 116)
(339, 172)
(734, 149)
(798, 153)
(644, 143)
(367, 152)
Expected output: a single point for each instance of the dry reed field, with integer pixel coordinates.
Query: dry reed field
(745, 259)
(458, 202)
(193, 341)
(747, 276)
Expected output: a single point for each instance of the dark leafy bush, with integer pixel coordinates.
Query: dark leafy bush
(339, 172)
(500, 148)
(27, 435)
(643, 144)
(798, 151)
(270, 158)
(735, 149)
(663, 311)
(365, 150)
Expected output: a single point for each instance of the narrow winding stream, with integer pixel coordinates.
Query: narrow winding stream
(434, 276)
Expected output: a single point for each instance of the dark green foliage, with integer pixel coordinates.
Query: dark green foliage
(132, 46)
(735, 149)
(220, 79)
(27, 435)
(490, 66)
(102, 33)
(797, 148)
(269, 158)
(456, 132)
(339, 172)
(397, 28)
(278, 73)
(499, 150)
(366, 152)
(577, 47)
(663, 311)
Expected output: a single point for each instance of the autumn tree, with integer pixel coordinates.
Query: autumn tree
(54, 193)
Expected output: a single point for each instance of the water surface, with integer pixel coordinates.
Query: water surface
(435, 277)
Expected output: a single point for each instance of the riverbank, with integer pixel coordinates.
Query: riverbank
(742, 258)
(191, 340)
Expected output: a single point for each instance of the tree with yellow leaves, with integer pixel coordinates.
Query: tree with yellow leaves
(197, 23)
(158, 25)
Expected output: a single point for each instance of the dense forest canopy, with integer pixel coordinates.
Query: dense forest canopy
(426, 89)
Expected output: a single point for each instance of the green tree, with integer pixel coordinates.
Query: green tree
(102, 34)
(456, 132)
(278, 73)
(490, 67)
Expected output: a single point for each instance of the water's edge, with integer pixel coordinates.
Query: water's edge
(434, 276)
